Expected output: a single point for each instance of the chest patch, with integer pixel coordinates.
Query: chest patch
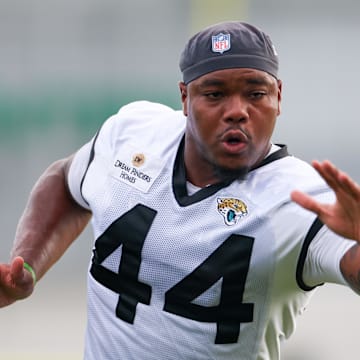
(231, 209)
(136, 168)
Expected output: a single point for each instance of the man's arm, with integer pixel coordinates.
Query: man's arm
(342, 217)
(50, 223)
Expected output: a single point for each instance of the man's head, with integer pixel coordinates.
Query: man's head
(231, 97)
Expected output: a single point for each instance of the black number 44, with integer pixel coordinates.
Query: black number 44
(229, 263)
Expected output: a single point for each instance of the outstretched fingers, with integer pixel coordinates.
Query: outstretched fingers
(306, 201)
(337, 180)
(343, 216)
(328, 172)
(349, 186)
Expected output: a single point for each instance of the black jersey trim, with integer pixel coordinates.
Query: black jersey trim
(179, 182)
(91, 158)
(277, 155)
(314, 229)
(179, 177)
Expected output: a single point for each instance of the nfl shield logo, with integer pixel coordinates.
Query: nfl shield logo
(221, 43)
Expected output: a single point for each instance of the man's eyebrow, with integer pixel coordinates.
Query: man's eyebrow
(258, 80)
(211, 82)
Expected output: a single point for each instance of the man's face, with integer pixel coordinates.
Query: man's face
(231, 116)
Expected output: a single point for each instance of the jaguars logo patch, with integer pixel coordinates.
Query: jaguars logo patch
(231, 209)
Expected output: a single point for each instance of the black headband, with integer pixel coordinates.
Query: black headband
(225, 46)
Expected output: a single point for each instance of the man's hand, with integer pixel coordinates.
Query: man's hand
(16, 282)
(342, 217)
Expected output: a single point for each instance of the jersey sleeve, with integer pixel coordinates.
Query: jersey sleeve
(77, 173)
(131, 118)
(322, 263)
(101, 142)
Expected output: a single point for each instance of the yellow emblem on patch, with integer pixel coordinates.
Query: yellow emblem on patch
(138, 160)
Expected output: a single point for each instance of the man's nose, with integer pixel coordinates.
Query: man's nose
(236, 109)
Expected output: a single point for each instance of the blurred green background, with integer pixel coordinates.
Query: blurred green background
(65, 66)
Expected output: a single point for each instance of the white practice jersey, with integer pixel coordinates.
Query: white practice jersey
(220, 274)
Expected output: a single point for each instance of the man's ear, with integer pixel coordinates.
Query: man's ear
(279, 96)
(183, 93)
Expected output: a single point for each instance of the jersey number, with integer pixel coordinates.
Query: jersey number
(229, 262)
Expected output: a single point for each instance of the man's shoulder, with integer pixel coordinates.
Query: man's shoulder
(277, 179)
(144, 117)
(145, 109)
(289, 167)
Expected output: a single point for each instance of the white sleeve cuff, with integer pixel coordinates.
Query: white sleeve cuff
(322, 263)
(77, 172)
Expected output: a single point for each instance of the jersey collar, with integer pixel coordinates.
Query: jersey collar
(179, 177)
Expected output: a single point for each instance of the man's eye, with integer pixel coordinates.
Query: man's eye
(214, 95)
(257, 94)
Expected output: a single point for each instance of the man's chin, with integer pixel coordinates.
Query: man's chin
(225, 174)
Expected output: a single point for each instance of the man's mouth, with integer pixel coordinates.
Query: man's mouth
(234, 141)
